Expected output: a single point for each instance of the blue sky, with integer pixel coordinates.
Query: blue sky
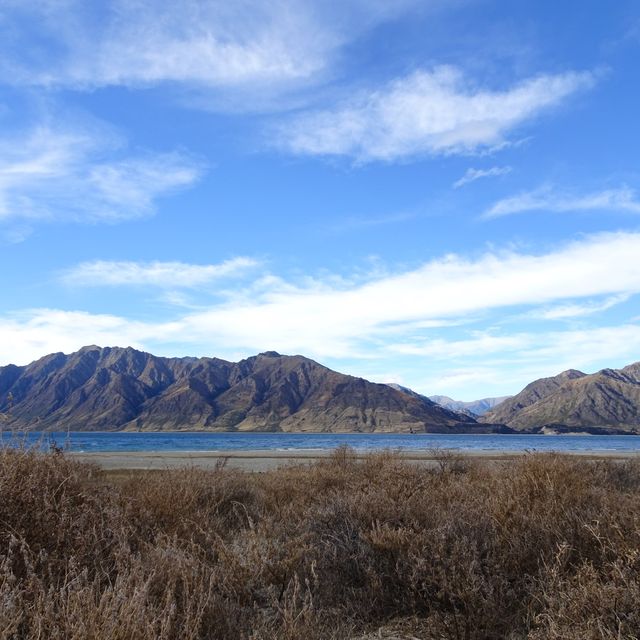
(440, 194)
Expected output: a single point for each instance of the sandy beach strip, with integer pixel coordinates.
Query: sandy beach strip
(263, 460)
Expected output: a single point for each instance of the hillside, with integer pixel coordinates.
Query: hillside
(609, 398)
(122, 388)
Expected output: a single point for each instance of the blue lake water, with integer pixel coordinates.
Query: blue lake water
(197, 441)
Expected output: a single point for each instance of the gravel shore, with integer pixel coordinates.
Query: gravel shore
(257, 460)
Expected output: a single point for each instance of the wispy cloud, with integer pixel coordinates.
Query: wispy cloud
(341, 318)
(623, 199)
(143, 43)
(504, 363)
(252, 45)
(32, 333)
(166, 275)
(471, 175)
(570, 311)
(428, 112)
(479, 344)
(569, 348)
(84, 174)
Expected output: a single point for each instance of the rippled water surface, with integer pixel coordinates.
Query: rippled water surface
(192, 441)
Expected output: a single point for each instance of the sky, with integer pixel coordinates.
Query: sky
(441, 194)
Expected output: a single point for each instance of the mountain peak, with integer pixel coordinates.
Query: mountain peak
(90, 347)
(571, 374)
(608, 399)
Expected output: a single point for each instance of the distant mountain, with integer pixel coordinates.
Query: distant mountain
(115, 388)
(574, 400)
(410, 392)
(473, 408)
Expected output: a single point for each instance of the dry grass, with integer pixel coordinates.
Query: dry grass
(546, 547)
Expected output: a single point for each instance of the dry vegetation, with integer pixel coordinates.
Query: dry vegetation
(542, 548)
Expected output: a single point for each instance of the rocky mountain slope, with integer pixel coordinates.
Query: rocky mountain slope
(609, 398)
(534, 391)
(472, 408)
(115, 388)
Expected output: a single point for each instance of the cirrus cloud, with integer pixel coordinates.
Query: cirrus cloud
(252, 46)
(471, 175)
(99, 273)
(432, 112)
(85, 174)
(623, 199)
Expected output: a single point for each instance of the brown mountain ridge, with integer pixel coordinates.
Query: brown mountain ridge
(115, 388)
(608, 400)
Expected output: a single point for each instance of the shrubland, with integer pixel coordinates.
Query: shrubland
(542, 547)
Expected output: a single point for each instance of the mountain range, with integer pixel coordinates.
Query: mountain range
(575, 401)
(115, 388)
(122, 388)
(474, 408)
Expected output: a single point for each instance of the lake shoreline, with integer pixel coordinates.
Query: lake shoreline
(264, 460)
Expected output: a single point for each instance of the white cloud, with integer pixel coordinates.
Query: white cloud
(166, 275)
(458, 383)
(342, 318)
(471, 175)
(427, 112)
(486, 364)
(143, 43)
(623, 199)
(30, 334)
(569, 311)
(332, 320)
(255, 45)
(84, 174)
(478, 345)
(569, 348)
(581, 348)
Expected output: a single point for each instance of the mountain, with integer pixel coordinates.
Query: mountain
(473, 408)
(410, 392)
(122, 388)
(574, 400)
(531, 394)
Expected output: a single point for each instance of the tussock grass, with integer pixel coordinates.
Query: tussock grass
(546, 547)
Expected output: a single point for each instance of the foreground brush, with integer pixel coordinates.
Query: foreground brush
(544, 547)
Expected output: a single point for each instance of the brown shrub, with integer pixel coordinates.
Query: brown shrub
(543, 547)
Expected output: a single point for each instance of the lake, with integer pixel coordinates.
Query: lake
(198, 441)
